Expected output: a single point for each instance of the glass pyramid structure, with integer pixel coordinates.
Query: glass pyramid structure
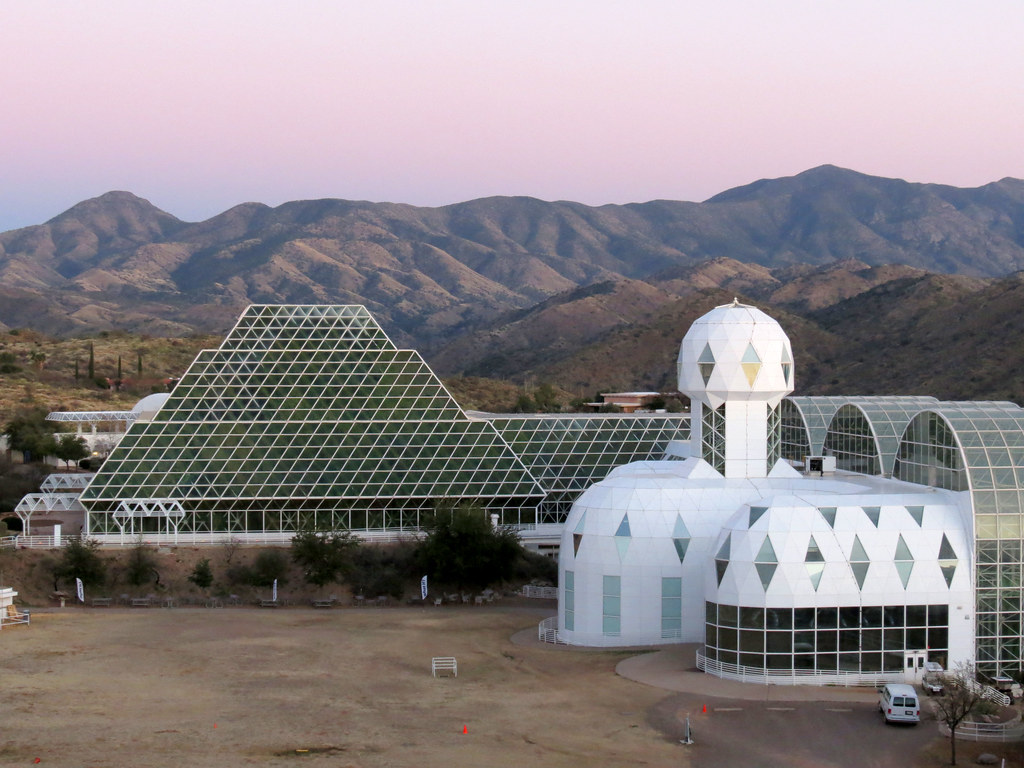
(306, 417)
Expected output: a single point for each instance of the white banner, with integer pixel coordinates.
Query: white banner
(274, 596)
(81, 590)
(423, 588)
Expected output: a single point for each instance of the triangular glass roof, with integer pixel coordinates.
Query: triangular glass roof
(829, 513)
(873, 514)
(577, 539)
(755, 514)
(623, 529)
(814, 571)
(706, 363)
(579, 525)
(679, 530)
(918, 514)
(310, 416)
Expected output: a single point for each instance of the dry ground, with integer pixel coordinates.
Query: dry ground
(251, 687)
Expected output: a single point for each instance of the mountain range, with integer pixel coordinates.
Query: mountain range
(861, 270)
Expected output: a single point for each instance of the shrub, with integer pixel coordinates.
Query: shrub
(324, 557)
(80, 559)
(202, 574)
(269, 565)
(140, 566)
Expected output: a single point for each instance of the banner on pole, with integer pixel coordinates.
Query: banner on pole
(274, 596)
(81, 590)
(423, 588)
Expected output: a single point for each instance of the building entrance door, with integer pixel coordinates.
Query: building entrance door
(913, 666)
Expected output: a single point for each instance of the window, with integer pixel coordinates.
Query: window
(611, 612)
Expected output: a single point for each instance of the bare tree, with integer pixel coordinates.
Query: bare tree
(961, 696)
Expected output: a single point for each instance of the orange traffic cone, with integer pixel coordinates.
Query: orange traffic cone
(465, 729)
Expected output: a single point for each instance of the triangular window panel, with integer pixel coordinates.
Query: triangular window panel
(918, 514)
(948, 568)
(723, 551)
(860, 572)
(903, 551)
(706, 363)
(751, 364)
(623, 529)
(755, 514)
(946, 551)
(904, 569)
(813, 553)
(679, 530)
(577, 539)
(829, 513)
(579, 525)
(706, 355)
(765, 571)
(814, 571)
(720, 568)
(681, 545)
(767, 552)
(873, 514)
(858, 554)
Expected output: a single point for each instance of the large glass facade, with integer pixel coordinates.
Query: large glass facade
(308, 417)
(980, 447)
(851, 440)
(712, 435)
(567, 453)
(839, 638)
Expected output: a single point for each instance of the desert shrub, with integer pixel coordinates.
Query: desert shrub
(80, 559)
(381, 570)
(324, 557)
(140, 565)
(202, 574)
(268, 565)
(533, 567)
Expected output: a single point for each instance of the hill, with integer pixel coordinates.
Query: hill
(432, 274)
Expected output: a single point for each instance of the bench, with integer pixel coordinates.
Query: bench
(268, 603)
(140, 602)
(323, 603)
(102, 602)
(443, 665)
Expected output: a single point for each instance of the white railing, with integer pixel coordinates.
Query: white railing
(31, 542)
(6, 619)
(267, 538)
(987, 692)
(547, 631)
(794, 676)
(970, 731)
(542, 593)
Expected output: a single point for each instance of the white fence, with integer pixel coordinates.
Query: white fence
(547, 631)
(794, 676)
(268, 538)
(543, 593)
(1011, 731)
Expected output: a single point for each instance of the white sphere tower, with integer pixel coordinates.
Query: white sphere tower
(736, 365)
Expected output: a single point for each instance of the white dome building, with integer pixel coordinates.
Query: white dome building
(726, 543)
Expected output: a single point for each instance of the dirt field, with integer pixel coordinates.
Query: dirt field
(352, 687)
(252, 687)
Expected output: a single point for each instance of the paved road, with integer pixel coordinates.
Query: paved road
(801, 734)
(756, 726)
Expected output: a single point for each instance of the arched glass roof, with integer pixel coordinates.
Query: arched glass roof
(888, 417)
(991, 438)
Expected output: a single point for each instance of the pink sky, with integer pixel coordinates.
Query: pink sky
(198, 106)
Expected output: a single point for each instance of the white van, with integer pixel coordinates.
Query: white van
(898, 703)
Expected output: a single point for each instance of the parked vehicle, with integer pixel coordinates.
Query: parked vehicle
(898, 703)
(934, 678)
